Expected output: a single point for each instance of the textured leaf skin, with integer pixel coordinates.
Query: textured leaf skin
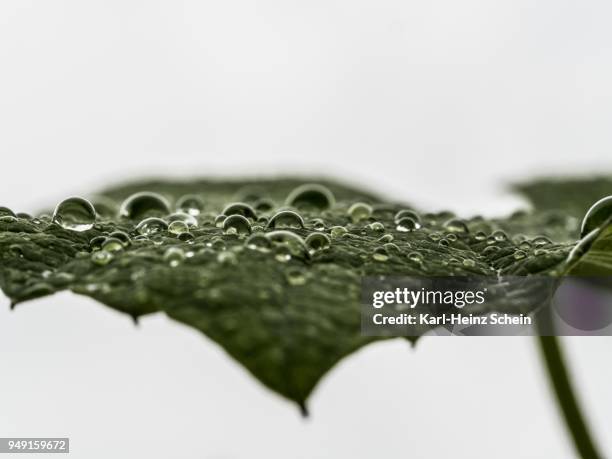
(286, 334)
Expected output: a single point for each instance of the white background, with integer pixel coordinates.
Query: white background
(441, 103)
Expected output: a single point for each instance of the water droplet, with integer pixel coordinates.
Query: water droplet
(24, 215)
(443, 242)
(174, 256)
(380, 254)
(112, 244)
(318, 224)
(391, 248)
(6, 212)
(311, 196)
(519, 255)
(386, 238)
(96, 242)
(150, 226)
(318, 241)
(102, 257)
(264, 205)
(190, 204)
(434, 237)
(525, 246)
(451, 237)
(541, 241)
(338, 231)
(217, 244)
(480, 236)
(295, 276)
(219, 219)
(359, 211)
(122, 236)
(376, 227)
(178, 227)
(188, 219)
(239, 208)
(500, 236)
(407, 213)
(258, 242)
(237, 224)
(490, 250)
(407, 224)
(294, 243)
(186, 237)
(75, 214)
(227, 258)
(454, 225)
(286, 219)
(144, 204)
(540, 252)
(415, 257)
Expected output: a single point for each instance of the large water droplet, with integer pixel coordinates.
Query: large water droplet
(239, 208)
(380, 254)
(296, 276)
(338, 231)
(144, 204)
(454, 225)
(174, 256)
(311, 196)
(294, 243)
(150, 226)
(75, 214)
(122, 236)
(263, 205)
(406, 224)
(101, 258)
(318, 241)
(258, 242)
(6, 212)
(188, 219)
(596, 216)
(112, 244)
(359, 211)
(286, 219)
(178, 227)
(190, 204)
(237, 224)
(407, 213)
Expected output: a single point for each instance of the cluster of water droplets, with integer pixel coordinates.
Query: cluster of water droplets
(304, 227)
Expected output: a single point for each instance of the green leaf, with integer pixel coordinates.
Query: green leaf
(288, 320)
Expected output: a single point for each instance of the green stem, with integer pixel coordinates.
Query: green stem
(560, 380)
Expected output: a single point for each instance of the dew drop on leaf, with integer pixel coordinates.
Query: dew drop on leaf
(455, 225)
(338, 231)
(75, 214)
(150, 226)
(174, 256)
(406, 224)
(311, 196)
(237, 224)
(101, 258)
(286, 219)
(318, 241)
(239, 208)
(407, 213)
(359, 211)
(190, 204)
(178, 227)
(112, 244)
(144, 204)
